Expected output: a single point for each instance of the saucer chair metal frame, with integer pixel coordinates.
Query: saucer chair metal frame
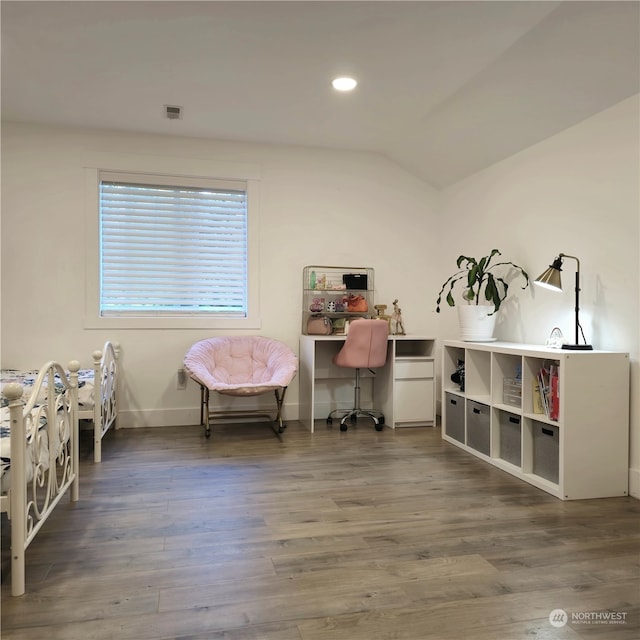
(207, 415)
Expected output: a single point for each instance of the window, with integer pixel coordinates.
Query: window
(137, 282)
(172, 246)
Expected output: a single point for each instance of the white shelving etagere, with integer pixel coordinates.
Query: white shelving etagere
(582, 454)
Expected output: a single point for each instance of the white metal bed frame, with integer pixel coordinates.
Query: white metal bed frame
(104, 413)
(29, 504)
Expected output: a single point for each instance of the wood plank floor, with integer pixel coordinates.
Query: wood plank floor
(343, 536)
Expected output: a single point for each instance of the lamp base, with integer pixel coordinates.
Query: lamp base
(578, 347)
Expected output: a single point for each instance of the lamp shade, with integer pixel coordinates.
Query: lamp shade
(551, 278)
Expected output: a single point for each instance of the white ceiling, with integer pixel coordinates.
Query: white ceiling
(445, 88)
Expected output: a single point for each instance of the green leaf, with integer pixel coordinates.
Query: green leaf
(472, 276)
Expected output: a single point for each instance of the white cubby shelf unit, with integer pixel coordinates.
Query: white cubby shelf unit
(583, 454)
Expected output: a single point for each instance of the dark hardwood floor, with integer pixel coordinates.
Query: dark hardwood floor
(342, 536)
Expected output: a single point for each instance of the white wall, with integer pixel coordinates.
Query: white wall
(317, 207)
(577, 193)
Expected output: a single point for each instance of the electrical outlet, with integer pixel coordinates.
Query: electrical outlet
(182, 379)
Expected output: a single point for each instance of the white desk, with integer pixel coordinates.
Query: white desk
(404, 389)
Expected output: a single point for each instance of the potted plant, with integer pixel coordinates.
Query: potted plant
(485, 290)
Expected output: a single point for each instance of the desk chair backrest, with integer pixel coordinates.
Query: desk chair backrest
(365, 345)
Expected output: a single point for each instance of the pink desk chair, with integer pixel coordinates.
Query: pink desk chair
(364, 347)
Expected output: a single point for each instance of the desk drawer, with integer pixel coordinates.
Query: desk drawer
(413, 402)
(413, 368)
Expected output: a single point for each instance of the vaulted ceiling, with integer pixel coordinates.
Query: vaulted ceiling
(445, 88)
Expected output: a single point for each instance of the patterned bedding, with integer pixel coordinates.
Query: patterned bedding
(27, 380)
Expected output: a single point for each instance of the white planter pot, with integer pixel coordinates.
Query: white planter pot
(475, 323)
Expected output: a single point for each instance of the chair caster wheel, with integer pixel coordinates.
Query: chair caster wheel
(343, 427)
(329, 420)
(380, 426)
(354, 419)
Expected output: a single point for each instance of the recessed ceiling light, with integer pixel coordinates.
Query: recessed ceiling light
(344, 84)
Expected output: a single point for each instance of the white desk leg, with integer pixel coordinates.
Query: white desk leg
(307, 378)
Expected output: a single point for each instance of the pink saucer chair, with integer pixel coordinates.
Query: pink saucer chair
(241, 366)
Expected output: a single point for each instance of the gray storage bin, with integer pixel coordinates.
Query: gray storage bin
(454, 426)
(546, 450)
(478, 427)
(510, 438)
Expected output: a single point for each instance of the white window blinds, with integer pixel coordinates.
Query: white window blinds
(172, 246)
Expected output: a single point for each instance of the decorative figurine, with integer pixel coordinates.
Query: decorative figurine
(396, 319)
(381, 315)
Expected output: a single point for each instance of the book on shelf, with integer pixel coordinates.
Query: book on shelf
(538, 407)
(546, 393)
(554, 403)
(543, 386)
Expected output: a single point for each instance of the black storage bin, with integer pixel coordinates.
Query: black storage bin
(357, 281)
(478, 427)
(510, 438)
(455, 417)
(546, 451)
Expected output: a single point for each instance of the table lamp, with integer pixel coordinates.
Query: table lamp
(551, 279)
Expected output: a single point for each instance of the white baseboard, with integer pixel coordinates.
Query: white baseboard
(634, 483)
(158, 418)
(129, 419)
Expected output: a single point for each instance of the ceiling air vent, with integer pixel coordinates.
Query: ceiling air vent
(172, 112)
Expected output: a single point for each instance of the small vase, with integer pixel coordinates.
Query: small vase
(476, 325)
